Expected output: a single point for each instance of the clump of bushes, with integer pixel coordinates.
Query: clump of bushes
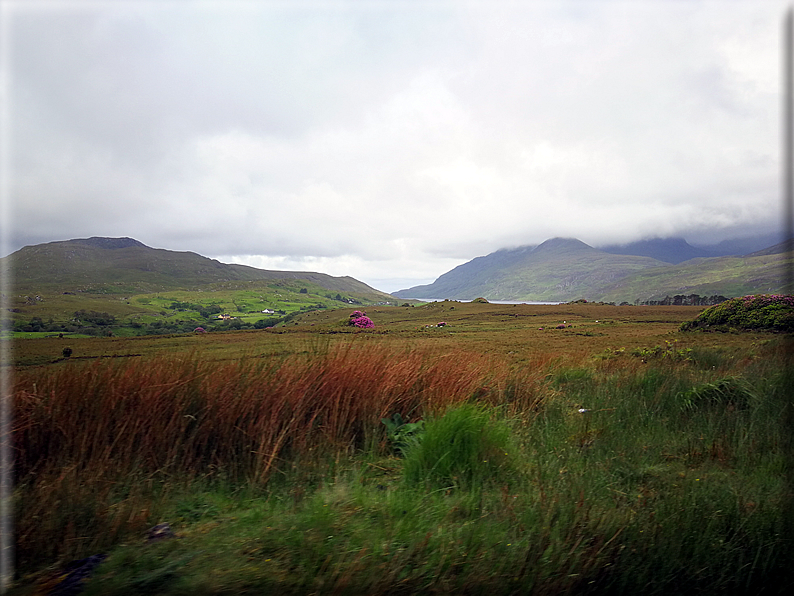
(361, 320)
(92, 317)
(769, 312)
(669, 351)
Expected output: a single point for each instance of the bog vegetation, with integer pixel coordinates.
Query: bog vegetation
(493, 454)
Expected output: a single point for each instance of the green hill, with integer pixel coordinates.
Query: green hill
(126, 266)
(559, 269)
(567, 269)
(119, 286)
(724, 276)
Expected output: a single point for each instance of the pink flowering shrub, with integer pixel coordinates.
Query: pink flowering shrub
(361, 320)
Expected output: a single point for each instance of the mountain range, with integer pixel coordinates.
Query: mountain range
(678, 250)
(563, 269)
(558, 270)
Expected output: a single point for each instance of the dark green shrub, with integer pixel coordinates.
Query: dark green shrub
(92, 317)
(401, 434)
(771, 312)
(269, 322)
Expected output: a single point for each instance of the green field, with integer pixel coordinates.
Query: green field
(457, 448)
(246, 304)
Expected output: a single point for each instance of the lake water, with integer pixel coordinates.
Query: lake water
(490, 301)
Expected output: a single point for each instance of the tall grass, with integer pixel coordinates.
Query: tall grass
(605, 476)
(463, 448)
(92, 440)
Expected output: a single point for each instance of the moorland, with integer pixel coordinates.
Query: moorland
(454, 447)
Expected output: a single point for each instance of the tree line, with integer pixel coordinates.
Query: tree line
(684, 300)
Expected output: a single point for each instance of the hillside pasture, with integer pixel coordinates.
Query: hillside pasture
(178, 310)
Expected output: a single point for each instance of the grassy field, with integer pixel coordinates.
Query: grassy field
(51, 311)
(514, 331)
(455, 448)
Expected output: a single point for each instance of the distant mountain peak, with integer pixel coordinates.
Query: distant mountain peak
(668, 250)
(562, 269)
(562, 243)
(108, 243)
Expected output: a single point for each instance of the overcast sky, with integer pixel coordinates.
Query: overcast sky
(389, 141)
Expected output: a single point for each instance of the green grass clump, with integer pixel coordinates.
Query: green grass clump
(730, 392)
(463, 448)
(401, 434)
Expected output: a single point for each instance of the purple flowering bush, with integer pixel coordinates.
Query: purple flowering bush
(361, 320)
(771, 312)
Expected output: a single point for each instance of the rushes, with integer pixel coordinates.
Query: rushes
(186, 414)
(730, 392)
(148, 423)
(464, 447)
(280, 474)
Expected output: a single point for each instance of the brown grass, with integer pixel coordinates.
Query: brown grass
(189, 413)
(82, 432)
(99, 442)
(520, 331)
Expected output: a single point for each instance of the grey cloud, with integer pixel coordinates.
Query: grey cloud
(392, 135)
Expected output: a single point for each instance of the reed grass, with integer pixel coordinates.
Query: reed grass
(95, 427)
(279, 476)
(462, 448)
